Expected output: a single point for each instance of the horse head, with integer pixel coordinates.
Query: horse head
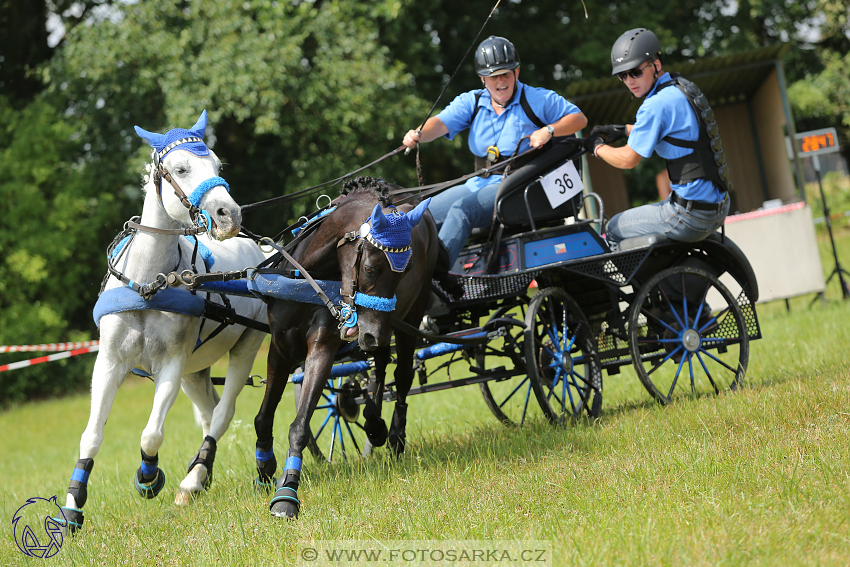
(181, 158)
(373, 259)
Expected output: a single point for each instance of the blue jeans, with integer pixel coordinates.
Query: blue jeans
(458, 210)
(665, 217)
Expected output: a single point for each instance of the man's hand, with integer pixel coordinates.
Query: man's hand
(611, 132)
(592, 142)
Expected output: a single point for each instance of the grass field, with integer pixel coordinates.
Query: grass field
(761, 477)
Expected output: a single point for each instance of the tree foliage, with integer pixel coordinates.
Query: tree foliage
(298, 92)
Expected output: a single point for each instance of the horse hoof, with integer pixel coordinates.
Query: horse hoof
(150, 489)
(265, 486)
(71, 520)
(285, 503)
(376, 432)
(184, 498)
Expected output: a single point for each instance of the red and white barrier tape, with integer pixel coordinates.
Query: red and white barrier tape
(52, 347)
(49, 357)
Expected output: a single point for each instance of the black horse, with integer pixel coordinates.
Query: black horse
(385, 260)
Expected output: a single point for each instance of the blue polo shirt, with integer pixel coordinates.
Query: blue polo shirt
(668, 113)
(503, 131)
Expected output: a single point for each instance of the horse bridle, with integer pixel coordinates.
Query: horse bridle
(160, 172)
(353, 297)
(201, 221)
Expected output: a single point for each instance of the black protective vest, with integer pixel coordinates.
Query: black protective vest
(707, 161)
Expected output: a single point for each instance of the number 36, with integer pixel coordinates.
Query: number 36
(564, 183)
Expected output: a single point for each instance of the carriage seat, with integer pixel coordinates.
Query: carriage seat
(642, 241)
(511, 209)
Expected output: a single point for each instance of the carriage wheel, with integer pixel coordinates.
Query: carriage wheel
(563, 366)
(336, 421)
(507, 398)
(687, 332)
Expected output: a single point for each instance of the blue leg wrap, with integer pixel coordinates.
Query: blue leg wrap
(266, 465)
(149, 479)
(288, 491)
(78, 488)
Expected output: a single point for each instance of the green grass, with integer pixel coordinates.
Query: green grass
(761, 477)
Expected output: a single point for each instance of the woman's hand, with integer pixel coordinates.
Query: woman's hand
(411, 139)
(539, 137)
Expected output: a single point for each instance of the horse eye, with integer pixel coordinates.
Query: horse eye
(370, 270)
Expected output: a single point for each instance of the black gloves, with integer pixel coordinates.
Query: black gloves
(611, 132)
(592, 142)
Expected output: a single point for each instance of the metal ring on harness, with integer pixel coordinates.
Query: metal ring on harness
(268, 242)
(319, 199)
(188, 278)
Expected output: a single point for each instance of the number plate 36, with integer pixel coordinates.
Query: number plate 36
(562, 184)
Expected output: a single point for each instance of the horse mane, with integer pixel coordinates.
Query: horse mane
(374, 187)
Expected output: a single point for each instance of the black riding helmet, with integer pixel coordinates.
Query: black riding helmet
(495, 54)
(634, 48)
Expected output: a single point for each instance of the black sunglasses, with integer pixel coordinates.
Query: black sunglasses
(634, 73)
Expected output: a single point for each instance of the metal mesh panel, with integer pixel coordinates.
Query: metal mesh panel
(617, 269)
(613, 351)
(750, 317)
(477, 288)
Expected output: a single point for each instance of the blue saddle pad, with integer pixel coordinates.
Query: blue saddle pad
(282, 287)
(173, 299)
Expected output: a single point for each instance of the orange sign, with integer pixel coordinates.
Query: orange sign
(817, 142)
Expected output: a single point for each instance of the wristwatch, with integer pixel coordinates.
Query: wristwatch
(551, 130)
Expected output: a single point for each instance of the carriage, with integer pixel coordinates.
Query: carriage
(677, 315)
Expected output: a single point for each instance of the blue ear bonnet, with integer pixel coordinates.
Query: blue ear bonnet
(391, 233)
(182, 139)
(191, 140)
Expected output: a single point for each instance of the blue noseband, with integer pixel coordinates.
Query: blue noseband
(385, 304)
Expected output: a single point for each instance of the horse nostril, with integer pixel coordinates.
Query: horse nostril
(369, 340)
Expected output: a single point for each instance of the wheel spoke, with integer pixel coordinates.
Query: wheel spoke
(341, 438)
(324, 423)
(664, 323)
(691, 370)
(351, 436)
(717, 360)
(670, 355)
(558, 373)
(515, 390)
(333, 444)
(708, 374)
(568, 392)
(676, 378)
(525, 405)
